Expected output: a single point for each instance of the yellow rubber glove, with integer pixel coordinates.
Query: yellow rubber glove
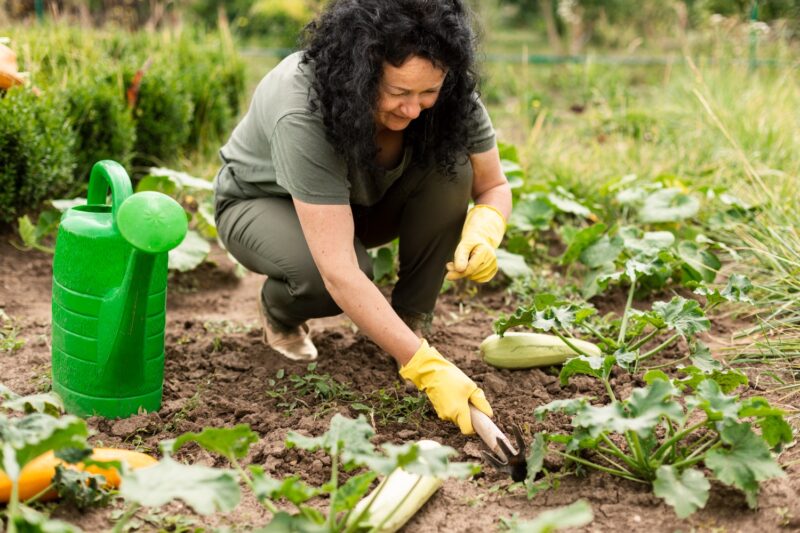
(475, 256)
(448, 388)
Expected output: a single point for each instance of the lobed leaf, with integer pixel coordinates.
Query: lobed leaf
(206, 490)
(686, 492)
(684, 316)
(232, 443)
(745, 462)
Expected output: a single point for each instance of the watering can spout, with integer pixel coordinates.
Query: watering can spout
(152, 223)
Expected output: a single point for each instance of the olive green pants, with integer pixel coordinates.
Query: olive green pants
(425, 208)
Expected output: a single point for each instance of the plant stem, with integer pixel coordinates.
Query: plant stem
(334, 489)
(645, 464)
(613, 472)
(249, 482)
(609, 460)
(659, 347)
(569, 344)
(675, 438)
(626, 313)
(600, 336)
(609, 390)
(39, 494)
(619, 453)
(13, 506)
(689, 461)
(644, 340)
(665, 365)
(126, 516)
(379, 527)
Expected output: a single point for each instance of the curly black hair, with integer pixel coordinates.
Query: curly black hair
(348, 45)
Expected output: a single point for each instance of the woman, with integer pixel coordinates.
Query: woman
(373, 132)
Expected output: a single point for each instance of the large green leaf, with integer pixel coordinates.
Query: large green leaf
(597, 366)
(206, 490)
(580, 241)
(638, 242)
(24, 439)
(192, 251)
(668, 205)
(602, 252)
(745, 462)
(718, 406)
(229, 442)
(655, 400)
(698, 264)
(531, 214)
(291, 488)
(686, 493)
(348, 495)
(774, 428)
(513, 265)
(47, 402)
(578, 514)
(685, 316)
(346, 436)
(32, 521)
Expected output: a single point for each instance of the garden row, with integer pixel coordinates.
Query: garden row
(140, 99)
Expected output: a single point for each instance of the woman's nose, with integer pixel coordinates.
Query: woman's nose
(411, 108)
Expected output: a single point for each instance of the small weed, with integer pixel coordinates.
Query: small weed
(315, 386)
(394, 405)
(190, 405)
(324, 392)
(9, 341)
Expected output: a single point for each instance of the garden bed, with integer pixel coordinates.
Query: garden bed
(219, 374)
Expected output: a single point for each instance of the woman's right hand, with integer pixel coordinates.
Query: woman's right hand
(449, 389)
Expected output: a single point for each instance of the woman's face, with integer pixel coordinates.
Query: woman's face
(405, 91)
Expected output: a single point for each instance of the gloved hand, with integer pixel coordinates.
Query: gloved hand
(475, 256)
(449, 389)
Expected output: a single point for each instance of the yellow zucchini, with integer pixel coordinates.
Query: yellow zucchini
(528, 350)
(37, 474)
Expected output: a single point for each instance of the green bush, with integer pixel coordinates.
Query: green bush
(163, 116)
(215, 82)
(102, 123)
(36, 152)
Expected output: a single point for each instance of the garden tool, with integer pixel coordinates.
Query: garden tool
(109, 296)
(501, 454)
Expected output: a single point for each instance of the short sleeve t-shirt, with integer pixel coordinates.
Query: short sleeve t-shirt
(280, 147)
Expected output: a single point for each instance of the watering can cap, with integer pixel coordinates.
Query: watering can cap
(152, 222)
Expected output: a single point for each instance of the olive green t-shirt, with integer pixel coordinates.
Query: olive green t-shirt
(280, 148)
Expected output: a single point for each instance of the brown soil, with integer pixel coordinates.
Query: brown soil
(218, 374)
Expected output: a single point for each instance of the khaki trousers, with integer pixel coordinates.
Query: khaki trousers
(425, 208)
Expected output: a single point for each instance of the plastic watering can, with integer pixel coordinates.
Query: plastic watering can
(109, 296)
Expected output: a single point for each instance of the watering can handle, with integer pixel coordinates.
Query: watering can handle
(107, 174)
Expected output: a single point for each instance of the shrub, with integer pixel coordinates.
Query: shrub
(102, 123)
(163, 115)
(36, 152)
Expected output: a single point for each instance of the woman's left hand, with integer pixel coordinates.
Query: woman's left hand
(475, 256)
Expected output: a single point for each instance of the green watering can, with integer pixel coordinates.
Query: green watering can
(109, 296)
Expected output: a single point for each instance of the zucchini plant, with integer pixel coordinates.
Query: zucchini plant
(662, 436)
(348, 445)
(626, 341)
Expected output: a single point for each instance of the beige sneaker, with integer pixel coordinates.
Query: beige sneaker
(295, 345)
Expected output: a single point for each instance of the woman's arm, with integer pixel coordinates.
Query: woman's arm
(330, 232)
(489, 184)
